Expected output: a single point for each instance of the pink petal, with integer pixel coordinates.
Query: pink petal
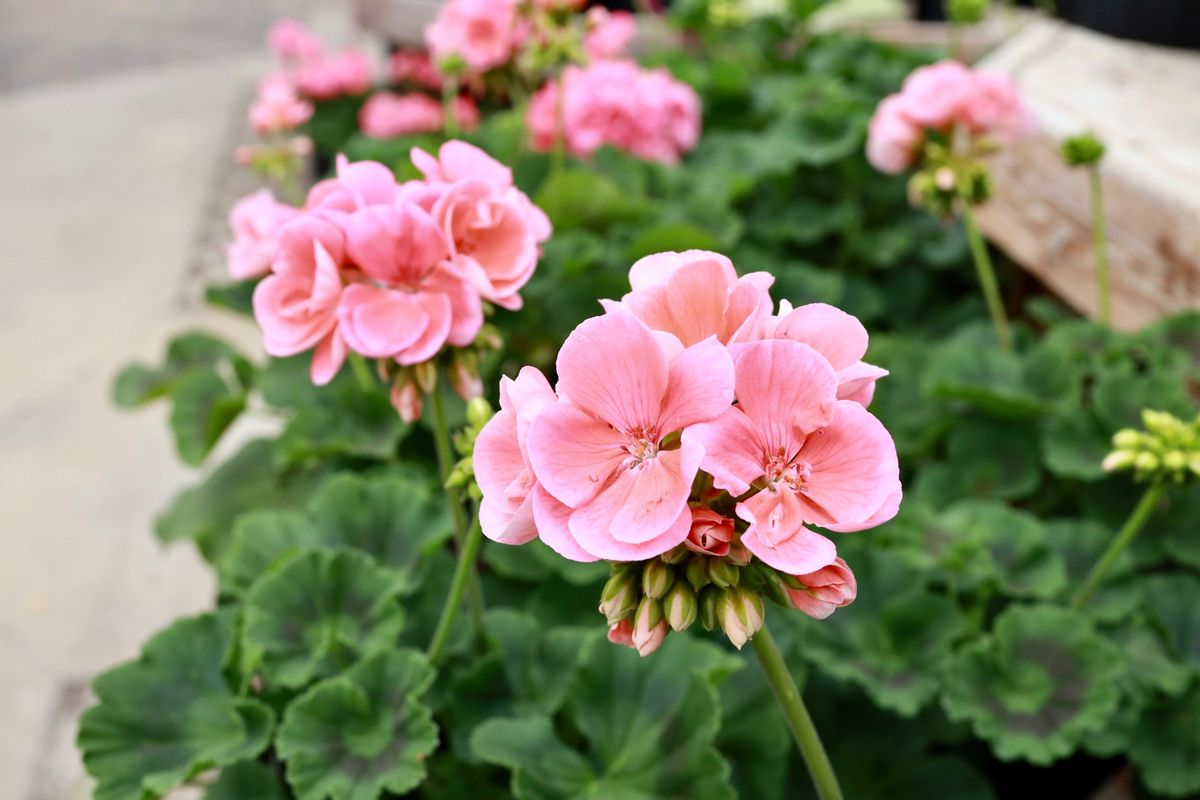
(437, 307)
(833, 333)
(551, 518)
(508, 527)
(748, 305)
(731, 453)
(656, 269)
(368, 182)
(328, 358)
(466, 309)
(857, 382)
(699, 386)
(604, 546)
(573, 454)
(854, 466)
(691, 304)
(889, 509)
(612, 367)
(378, 323)
(785, 388)
(497, 458)
(803, 551)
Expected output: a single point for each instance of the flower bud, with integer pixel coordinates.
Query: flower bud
(824, 591)
(1159, 422)
(479, 411)
(1146, 462)
(1194, 464)
(1118, 459)
(407, 400)
(675, 554)
(1126, 439)
(696, 571)
(649, 626)
(426, 376)
(1082, 150)
(706, 607)
(710, 533)
(723, 573)
(657, 577)
(620, 596)
(738, 554)
(679, 606)
(1175, 460)
(621, 633)
(740, 614)
(464, 375)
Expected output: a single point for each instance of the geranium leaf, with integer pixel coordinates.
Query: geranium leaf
(245, 780)
(170, 714)
(362, 733)
(345, 421)
(1152, 665)
(316, 613)
(1075, 444)
(1037, 685)
(582, 198)
(1165, 745)
(260, 538)
(1080, 543)
(1174, 603)
(646, 728)
(1010, 470)
(1006, 546)
(982, 376)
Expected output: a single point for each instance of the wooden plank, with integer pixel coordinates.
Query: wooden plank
(1144, 102)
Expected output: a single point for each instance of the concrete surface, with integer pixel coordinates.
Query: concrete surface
(111, 153)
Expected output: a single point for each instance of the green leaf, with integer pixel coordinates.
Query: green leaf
(362, 733)
(1080, 543)
(534, 562)
(645, 726)
(1075, 445)
(1119, 397)
(343, 420)
(1174, 603)
(170, 715)
(316, 614)
(1165, 745)
(138, 384)
(236, 297)
(581, 198)
(669, 236)
(1176, 529)
(1003, 545)
(204, 405)
(1009, 470)
(892, 641)
(754, 737)
(1150, 663)
(985, 378)
(245, 780)
(539, 663)
(260, 538)
(248, 480)
(1037, 686)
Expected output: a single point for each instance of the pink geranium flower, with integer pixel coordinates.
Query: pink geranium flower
(838, 336)
(296, 306)
(615, 482)
(824, 591)
(480, 32)
(291, 41)
(935, 96)
(327, 77)
(256, 220)
(387, 115)
(697, 294)
(415, 67)
(609, 33)
(357, 185)
(277, 107)
(994, 106)
(819, 460)
(892, 137)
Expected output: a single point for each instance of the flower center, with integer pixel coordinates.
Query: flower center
(780, 471)
(641, 446)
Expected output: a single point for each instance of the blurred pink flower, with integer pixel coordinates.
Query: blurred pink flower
(824, 590)
(278, 107)
(291, 41)
(256, 220)
(415, 67)
(387, 115)
(995, 107)
(609, 33)
(480, 32)
(327, 77)
(935, 96)
(892, 137)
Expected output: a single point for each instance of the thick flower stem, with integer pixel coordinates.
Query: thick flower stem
(1128, 532)
(798, 720)
(450, 107)
(987, 278)
(464, 575)
(362, 372)
(466, 552)
(1100, 246)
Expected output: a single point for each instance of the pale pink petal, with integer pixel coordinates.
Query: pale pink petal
(785, 388)
(368, 182)
(437, 308)
(328, 358)
(508, 527)
(857, 382)
(604, 546)
(889, 509)
(775, 514)
(460, 160)
(572, 453)
(552, 518)
(691, 304)
(833, 333)
(699, 386)
(731, 452)
(378, 323)
(656, 269)
(803, 551)
(497, 459)
(466, 309)
(748, 306)
(613, 367)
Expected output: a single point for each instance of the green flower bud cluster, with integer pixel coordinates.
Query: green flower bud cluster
(1082, 150)
(462, 475)
(967, 12)
(679, 588)
(946, 181)
(1168, 448)
(727, 13)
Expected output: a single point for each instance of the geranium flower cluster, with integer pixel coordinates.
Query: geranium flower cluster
(391, 271)
(645, 112)
(695, 438)
(302, 61)
(942, 98)
(387, 115)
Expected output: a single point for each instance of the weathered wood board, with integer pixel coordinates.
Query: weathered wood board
(1144, 102)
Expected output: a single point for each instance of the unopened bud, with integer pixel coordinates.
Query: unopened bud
(1146, 462)
(675, 554)
(696, 571)
(464, 375)
(1175, 460)
(1159, 422)
(1126, 439)
(740, 614)
(723, 573)
(1194, 464)
(620, 597)
(426, 376)
(1082, 150)
(649, 627)
(657, 577)
(945, 179)
(1118, 459)
(407, 400)
(706, 607)
(679, 606)
(479, 411)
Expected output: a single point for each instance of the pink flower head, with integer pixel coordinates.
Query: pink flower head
(615, 482)
(278, 108)
(995, 107)
(892, 137)
(415, 302)
(357, 185)
(291, 41)
(710, 533)
(934, 96)
(415, 67)
(501, 459)
(820, 460)
(296, 306)
(387, 115)
(327, 77)
(824, 590)
(838, 336)
(256, 220)
(456, 161)
(697, 294)
(609, 33)
(480, 32)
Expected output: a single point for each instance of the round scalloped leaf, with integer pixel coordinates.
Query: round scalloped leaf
(1177, 526)
(982, 376)
(260, 538)
(1075, 444)
(646, 728)
(1119, 397)
(316, 613)
(1174, 602)
(892, 641)
(1009, 471)
(1165, 745)
(1151, 664)
(1080, 543)
(1005, 546)
(1037, 685)
(362, 733)
(247, 780)
(171, 714)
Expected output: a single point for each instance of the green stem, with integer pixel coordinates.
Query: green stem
(559, 155)
(1129, 530)
(1100, 246)
(441, 443)
(798, 719)
(987, 278)
(463, 575)
(449, 107)
(362, 372)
